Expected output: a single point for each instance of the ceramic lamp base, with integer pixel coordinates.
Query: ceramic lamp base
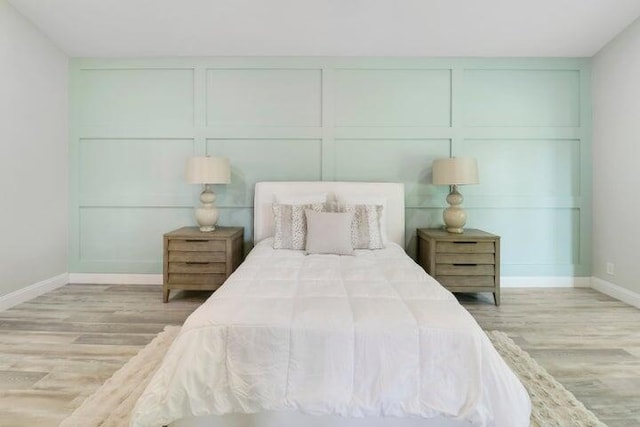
(207, 214)
(454, 216)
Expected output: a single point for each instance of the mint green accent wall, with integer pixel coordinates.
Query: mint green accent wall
(507, 98)
(392, 97)
(264, 97)
(403, 160)
(262, 160)
(134, 98)
(554, 163)
(135, 122)
(130, 172)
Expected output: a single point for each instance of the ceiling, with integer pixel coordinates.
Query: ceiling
(139, 28)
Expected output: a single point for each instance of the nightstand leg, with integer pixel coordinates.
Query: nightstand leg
(165, 294)
(496, 297)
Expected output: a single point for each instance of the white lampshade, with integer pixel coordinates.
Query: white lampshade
(455, 171)
(208, 170)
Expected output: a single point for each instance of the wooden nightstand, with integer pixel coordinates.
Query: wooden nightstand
(468, 262)
(200, 261)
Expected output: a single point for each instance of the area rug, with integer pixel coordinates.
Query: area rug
(111, 405)
(552, 405)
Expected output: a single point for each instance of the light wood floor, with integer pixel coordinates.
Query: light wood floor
(57, 349)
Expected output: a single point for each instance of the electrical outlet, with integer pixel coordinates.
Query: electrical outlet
(610, 268)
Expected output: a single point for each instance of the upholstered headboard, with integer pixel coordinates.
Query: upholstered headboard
(266, 193)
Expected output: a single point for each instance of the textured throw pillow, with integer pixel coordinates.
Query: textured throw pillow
(291, 224)
(365, 227)
(329, 232)
(359, 199)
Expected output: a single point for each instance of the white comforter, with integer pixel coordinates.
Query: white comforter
(363, 335)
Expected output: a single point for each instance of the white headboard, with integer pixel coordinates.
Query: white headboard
(265, 193)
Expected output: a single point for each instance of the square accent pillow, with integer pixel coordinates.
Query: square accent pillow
(365, 227)
(329, 232)
(291, 225)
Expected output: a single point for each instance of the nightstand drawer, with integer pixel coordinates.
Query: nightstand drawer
(466, 281)
(465, 247)
(196, 279)
(196, 245)
(465, 269)
(471, 258)
(182, 256)
(197, 267)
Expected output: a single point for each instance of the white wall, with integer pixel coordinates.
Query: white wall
(33, 154)
(616, 152)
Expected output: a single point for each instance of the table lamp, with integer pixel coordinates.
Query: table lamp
(207, 171)
(453, 172)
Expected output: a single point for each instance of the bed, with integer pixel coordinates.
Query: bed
(296, 339)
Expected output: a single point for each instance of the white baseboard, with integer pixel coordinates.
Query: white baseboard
(32, 291)
(115, 279)
(21, 295)
(618, 292)
(544, 282)
(505, 281)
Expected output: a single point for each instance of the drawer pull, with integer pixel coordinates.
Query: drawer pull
(196, 262)
(464, 265)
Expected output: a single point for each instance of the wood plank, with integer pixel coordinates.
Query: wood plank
(51, 364)
(197, 245)
(464, 269)
(177, 280)
(204, 256)
(466, 247)
(465, 258)
(197, 267)
(468, 281)
(550, 323)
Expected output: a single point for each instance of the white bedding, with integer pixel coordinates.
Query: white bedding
(363, 335)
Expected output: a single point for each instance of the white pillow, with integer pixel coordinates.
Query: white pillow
(344, 199)
(329, 232)
(291, 224)
(300, 199)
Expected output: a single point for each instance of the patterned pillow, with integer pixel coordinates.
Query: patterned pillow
(359, 199)
(365, 227)
(291, 225)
